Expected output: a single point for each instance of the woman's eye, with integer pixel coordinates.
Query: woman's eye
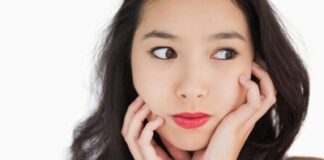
(162, 53)
(225, 54)
(166, 53)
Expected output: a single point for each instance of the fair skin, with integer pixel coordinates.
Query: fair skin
(195, 76)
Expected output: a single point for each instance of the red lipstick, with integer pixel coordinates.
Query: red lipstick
(190, 120)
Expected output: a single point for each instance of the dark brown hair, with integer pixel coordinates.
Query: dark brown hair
(99, 136)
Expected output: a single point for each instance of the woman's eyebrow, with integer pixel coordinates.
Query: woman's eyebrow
(213, 37)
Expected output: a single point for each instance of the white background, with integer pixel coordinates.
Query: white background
(46, 50)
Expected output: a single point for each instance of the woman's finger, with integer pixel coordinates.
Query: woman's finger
(268, 91)
(134, 130)
(266, 85)
(146, 137)
(136, 123)
(132, 109)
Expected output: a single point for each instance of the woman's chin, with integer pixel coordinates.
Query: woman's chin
(188, 143)
(190, 146)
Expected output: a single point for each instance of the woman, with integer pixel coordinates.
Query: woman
(212, 80)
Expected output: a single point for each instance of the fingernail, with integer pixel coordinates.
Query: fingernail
(137, 99)
(159, 118)
(244, 77)
(256, 65)
(145, 106)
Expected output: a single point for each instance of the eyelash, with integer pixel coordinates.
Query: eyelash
(151, 52)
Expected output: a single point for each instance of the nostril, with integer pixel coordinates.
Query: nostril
(184, 96)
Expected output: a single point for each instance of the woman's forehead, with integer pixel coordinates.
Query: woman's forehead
(201, 17)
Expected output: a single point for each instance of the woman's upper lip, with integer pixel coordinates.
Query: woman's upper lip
(191, 115)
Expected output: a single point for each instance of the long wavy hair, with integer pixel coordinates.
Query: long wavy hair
(99, 136)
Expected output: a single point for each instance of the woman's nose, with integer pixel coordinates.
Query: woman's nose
(193, 80)
(192, 91)
(192, 94)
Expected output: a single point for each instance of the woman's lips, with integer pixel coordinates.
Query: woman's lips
(190, 120)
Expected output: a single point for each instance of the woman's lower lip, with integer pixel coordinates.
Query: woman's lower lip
(189, 123)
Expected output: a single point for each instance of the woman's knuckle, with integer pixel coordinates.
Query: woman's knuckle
(266, 75)
(140, 142)
(138, 117)
(131, 108)
(254, 106)
(273, 100)
(254, 86)
(135, 118)
(148, 125)
(128, 138)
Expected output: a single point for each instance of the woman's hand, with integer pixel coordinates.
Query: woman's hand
(140, 139)
(232, 132)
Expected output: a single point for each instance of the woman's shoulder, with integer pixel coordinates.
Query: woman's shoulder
(304, 158)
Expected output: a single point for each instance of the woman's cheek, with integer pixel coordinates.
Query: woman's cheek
(158, 107)
(232, 94)
(154, 97)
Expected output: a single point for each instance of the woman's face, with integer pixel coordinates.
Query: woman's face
(196, 69)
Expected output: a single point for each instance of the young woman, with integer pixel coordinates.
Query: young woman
(212, 79)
